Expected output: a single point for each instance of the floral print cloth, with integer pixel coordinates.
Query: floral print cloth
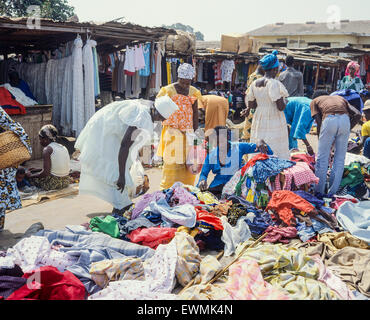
(246, 283)
(9, 195)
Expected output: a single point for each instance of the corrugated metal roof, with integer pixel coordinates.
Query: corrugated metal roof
(357, 28)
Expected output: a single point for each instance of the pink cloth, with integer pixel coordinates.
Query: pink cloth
(277, 234)
(246, 283)
(339, 201)
(301, 173)
(332, 281)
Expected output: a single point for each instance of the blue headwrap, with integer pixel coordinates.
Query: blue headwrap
(270, 61)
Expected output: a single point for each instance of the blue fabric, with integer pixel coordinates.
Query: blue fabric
(367, 148)
(89, 247)
(26, 89)
(354, 218)
(352, 96)
(310, 198)
(146, 71)
(270, 61)
(235, 163)
(335, 129)
(298, 116)
(184, 215)
(211, 239)
(269, 168)
(258, 225)
(305, 233)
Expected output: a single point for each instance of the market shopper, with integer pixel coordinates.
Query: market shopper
(216, 111)
(184, 122)
(259, 73)
(334, 117)
(110, 144)
(298, 117)
(365, 130)
(9, 195)
(352, 79)
(267, 97)
(292, 79)
(225, 159)
(56, 162)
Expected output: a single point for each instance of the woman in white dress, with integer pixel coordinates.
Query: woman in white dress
(110, 135)
(267, 96)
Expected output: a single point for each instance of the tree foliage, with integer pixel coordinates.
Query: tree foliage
(58, 10)
(187, 28)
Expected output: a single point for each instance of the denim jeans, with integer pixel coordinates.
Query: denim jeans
(367, 148)
(334, 129)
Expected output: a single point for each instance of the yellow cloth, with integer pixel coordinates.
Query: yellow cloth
(170, 90)
(339, 240)
(105, 271)
(290, 270)
(365, 130)
(192, 232)
(172, 148)
(216, 109)
(173, 145)
(169, 78)
(206, 197)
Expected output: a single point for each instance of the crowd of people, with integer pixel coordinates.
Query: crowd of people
(219, 189)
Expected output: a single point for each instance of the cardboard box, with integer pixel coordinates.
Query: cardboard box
(230, 43)
(257, 45)
(245, 45)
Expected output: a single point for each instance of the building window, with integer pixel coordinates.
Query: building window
(320, 44)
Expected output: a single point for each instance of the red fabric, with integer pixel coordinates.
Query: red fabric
(53, 285)
(283, 202)
(277, 234)
(253, 161)
(7, 100)
(304, 158)
(210, 218)
(152, 237)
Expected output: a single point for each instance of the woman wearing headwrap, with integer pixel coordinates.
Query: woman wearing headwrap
(216, 110)
(9, 195)
(56, 162)
(352, 78)
(173, 144)
(110, 145)
(267, 96)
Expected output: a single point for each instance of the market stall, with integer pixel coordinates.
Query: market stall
(63, 64)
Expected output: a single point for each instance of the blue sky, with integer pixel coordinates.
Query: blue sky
(215, 17)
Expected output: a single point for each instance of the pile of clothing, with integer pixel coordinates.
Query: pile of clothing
(309, 248)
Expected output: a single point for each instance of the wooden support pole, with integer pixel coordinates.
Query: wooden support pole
(317, 76)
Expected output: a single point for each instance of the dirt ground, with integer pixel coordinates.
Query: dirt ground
(70, 210)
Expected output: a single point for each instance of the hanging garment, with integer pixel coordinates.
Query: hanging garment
(89, 84)
(145, 72)
(96, 72)
(129, 66)
(217, 74)
(78, 89)
(139, 58)
(227, 68)
(67, 98)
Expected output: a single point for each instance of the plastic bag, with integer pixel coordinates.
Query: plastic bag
(141, 184)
